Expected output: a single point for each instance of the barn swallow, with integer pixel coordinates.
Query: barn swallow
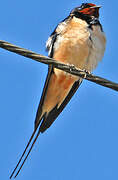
(78, 40)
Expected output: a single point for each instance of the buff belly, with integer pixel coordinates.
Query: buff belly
(82, 47)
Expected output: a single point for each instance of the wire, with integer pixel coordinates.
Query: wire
(67, 68)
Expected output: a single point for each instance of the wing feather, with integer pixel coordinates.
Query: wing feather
(52, 115)
(48, 118)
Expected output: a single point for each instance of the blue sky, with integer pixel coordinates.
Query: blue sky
(83, 142)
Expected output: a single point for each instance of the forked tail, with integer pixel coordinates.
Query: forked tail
(25, 152)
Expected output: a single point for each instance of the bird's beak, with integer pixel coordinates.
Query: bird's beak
(95, 7)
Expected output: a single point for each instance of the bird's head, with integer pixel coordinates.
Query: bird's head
(86, 9)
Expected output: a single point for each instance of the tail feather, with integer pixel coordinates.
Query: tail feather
(24, 152)
(27, 154)
(44, 121)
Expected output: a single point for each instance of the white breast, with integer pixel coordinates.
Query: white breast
(97, 44)
(78, 44)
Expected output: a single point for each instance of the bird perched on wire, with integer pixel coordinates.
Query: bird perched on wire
(78, 40)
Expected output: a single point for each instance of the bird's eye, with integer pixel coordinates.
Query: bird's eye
(79, 8)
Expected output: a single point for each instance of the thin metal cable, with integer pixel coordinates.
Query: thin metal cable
(67, 68)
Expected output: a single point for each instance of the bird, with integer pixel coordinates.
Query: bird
(78, 40)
